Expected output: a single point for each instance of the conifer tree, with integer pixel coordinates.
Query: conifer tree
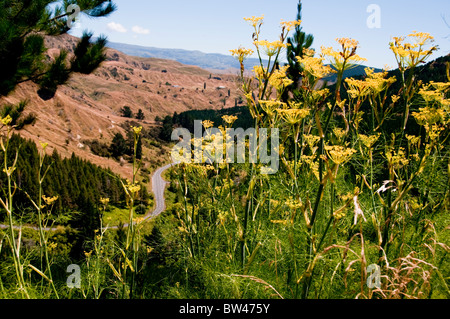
(298, 42)
(140, 115)
(23, 26)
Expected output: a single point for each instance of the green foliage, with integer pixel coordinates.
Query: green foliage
(166, 130)
(78, 183)
(16, 112)
(140, 115)
(118, 146)
(186, 119)
(126, 112)
(98, 148)
(23, 25)
(298, 42)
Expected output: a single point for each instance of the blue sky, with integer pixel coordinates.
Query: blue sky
(215, 26)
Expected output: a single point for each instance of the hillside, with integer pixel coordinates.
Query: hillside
(88, 107)
(213, 62)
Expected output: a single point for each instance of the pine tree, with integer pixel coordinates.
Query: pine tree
(140, 115)
(23, 26)
(298, 42)
(126, 112)
(118, 146)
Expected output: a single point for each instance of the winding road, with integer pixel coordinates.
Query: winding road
(158, 187)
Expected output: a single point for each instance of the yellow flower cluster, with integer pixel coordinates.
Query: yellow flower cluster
(311, 140)
(395, 98)
(260, 72)
(397, 159)
(313, 165)
(410, 54)
(434, 93)
(49, 200)
(314, 65)
(269, 106)
(339, 154)
(255, 21)
(429, 116)
(104, 201)
(241, 53)
(368, 141)
(413, 141)
(133, 188)
(374, 83)
(341, 60)
(43, 145)
(290, 25)
(270, 48)
(339, 132)
(294, 204)
(137, 130)
(293, 116)
(279, 79)
(6, 120)
(207, 124)
(229, 119)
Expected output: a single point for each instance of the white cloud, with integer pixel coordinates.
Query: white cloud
(140, 30)
(116, 27)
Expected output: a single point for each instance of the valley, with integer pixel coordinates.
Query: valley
(88, 107)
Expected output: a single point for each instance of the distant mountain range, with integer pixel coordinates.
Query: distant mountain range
(215, 62)
(209, 61)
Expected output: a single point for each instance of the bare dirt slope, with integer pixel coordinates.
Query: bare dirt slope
(88, 107)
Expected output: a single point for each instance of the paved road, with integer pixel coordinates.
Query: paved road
(158, 187)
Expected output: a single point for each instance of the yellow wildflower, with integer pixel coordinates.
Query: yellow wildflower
(314, 65)
(255, 21)
(311, 140)
(374, 83)
(279, 80)
(49, 200)
(411, 54)
(293, 204)
(241, 54)
(395, 98)
(207, 124)
(229, 119)
(290, 25)
(343, 59)
(9, 170)
(429, 116)
(339, 154)
(52, 245)
(293, 116)
(6, 120)
(270, 48)
(136, 130)
(43, 145)
(269, 106)
(397, 159)
(339, 133)
(314, 166)
(341, 104)
(133, 188)
(413, 140)
(369, 141)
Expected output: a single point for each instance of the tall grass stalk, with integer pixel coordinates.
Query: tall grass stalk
(8, 206)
